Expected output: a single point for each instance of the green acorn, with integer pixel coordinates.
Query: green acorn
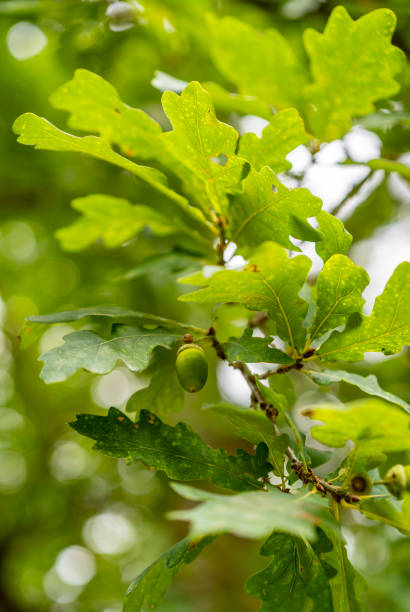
(361, 483)
(191, 367)
(397, 479)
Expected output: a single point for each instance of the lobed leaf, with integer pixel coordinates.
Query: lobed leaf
(178, 451)
(114, 220)
(284, 133)
(353, 64)
(253, 514)
(335, 239)
(260, 64)
(266, 210)
(270, 282)
(339, 290)
(203, 147)
(296, 579)
(95, 106)
(87, 350)
(386, 330)
(375, 428)
(252, 349)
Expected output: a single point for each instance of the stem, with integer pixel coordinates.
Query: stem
(305, 473)
(351, 193)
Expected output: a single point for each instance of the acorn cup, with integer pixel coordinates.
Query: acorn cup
(191, 367)
(397, 479)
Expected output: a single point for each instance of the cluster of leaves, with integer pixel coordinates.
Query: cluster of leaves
(216, 189)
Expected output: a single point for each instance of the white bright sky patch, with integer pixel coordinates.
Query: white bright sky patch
(163, 82)
(25, 40)
(115, 388)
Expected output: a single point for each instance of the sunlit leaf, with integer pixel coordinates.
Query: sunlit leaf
(339, 290)
(335, 239)
(353, 64)
(203, 147)
(284, 133)
(267, 210)
(270, 282)
(386, 330)
(375, 427)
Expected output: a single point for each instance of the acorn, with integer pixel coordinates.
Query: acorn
(397, 479)
(191, 367)
(361, 483)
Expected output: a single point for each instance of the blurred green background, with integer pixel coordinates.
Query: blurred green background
(76, 527)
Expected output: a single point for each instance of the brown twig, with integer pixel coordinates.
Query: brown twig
(305, 473)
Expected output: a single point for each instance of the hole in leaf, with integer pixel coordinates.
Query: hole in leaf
(220, 159)
(274, 189)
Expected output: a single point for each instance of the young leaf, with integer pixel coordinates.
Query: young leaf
(178, 450)
(256, 428)
(386, 330)
(33, 130)
(284, 133)
(347, 586)
(253, 514)
(228, 102)
(95, 106)
(368, 384)
(338, 294)
(375, 427)
(335, 239)
(150, 587)
(296, 579)
(270, 282)
(396, 514)
(254, 350)
(114, 220)
(164, 393)
(266, 210)
(353, 64)
(203, 147)
(260, 64)
(87, 350)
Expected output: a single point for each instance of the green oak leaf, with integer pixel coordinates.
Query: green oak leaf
(347, 586)
(178, 451)
(39, 132)
(252, 349)
(164, 393)
(87, 350)
(386, 330)
(339, 290)
(270, 282)
(256, 428)
(114, 220)
(353, 64)
(368, 384)
(267, 210)
(260, 64)
(203, 147)
(295, 580)
(254, 514)
(284, 133)
(150, 587)
(95, 106)
(374, 426)
(335, 239)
